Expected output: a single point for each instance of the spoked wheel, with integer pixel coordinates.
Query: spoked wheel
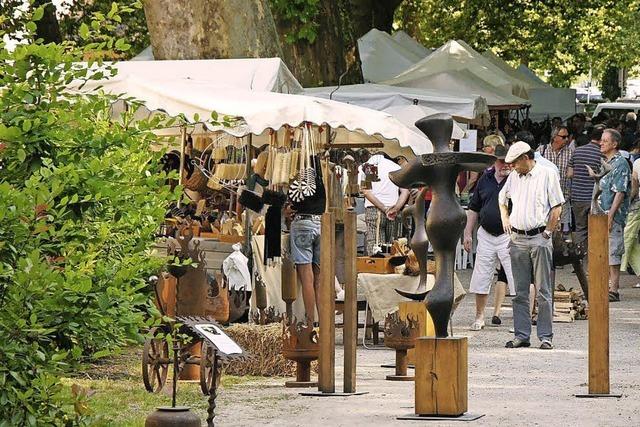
(155, 362)
(207, 374)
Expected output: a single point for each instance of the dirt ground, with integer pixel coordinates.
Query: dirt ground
(509, 386)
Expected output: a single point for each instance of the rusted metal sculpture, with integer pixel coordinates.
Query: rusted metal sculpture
(446, 219)
(300, 344)
(400, 335)
(238, 304)
(605, 168)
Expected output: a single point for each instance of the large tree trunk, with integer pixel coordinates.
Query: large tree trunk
(206, 29)
(198, 29)
(48, 27)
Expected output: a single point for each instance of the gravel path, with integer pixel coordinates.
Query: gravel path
(510, 386)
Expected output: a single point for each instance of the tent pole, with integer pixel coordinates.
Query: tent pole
(183, 141)
(247, 220)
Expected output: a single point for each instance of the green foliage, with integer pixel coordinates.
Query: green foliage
(300, 15)
(81, 198)
(561, 38)
(129, 23)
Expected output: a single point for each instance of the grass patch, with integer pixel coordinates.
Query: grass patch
(118, 395)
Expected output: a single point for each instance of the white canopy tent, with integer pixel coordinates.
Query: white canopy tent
(464, 108)
(460, 82)
(412, 44)
(254, 74)
(410, 114)
(382, 57)
(546, 101)
(258, 112)
(456, 55)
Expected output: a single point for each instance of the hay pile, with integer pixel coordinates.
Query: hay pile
(263, 343)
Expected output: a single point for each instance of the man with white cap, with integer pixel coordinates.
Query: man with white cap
(536, 198)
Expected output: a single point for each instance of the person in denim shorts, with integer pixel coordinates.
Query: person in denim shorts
(304, 240)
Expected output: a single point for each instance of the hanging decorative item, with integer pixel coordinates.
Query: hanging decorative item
(305, 184)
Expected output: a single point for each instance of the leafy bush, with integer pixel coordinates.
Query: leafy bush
(82, 196)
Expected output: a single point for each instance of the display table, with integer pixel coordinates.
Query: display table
(380, 291)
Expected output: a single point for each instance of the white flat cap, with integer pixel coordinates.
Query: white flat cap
(516, 150)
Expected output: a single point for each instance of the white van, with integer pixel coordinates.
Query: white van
(617, 109)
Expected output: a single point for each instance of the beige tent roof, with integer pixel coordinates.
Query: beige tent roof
(456, 55)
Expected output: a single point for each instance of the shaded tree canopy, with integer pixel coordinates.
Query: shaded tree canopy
(318, 38)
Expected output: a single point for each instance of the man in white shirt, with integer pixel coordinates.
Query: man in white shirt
(536, 198)
(383, 202)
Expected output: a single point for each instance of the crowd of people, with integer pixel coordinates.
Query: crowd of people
(541, 184)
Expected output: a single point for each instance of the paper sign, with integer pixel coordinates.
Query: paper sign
(469, 144)
(218, 338)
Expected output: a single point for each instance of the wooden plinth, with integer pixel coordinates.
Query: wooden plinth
(350, 331)
(598, 305)
(303, 376)
(326, 307)
(417, 310)
(401, 367)
(441, 376)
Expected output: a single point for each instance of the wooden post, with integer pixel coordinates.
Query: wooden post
(326, 306)
(441, 376)
(417, 310)
(598, 304)
(350, 331)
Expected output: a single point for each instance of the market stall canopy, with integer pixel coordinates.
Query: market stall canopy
(412, 44)
(456, 55)
(549, 102)
(527, 80)
(382, 57)
(255, 74)
(410, 114)
(464, 108)
(546, 101)
(258, 112)
(460, 83)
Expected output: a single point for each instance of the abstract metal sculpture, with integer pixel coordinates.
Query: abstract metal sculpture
(446, 219)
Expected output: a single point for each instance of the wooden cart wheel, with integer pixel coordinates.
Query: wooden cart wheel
(207, 373)
(155, 362)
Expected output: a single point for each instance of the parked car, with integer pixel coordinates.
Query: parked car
(617, 109)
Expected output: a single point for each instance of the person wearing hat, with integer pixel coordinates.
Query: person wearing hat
(493, 242)
(536, 202)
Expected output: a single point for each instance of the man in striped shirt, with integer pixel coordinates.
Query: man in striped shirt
(582, 183)
(559, 152)
(536, 198)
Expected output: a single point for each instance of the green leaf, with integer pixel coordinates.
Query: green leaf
(38, 14)
(84, 31)
(26, 125)
(31, 26)
(113, 11)
(22, 155)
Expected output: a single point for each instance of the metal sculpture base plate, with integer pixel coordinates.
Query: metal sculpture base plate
(597, 395)
(400, 378)
(334, 394)
(467, 416)
(393, 365)
(301, 384)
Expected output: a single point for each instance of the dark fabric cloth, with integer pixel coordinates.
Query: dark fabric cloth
(485, 202)
(256, 179)
(582, 183)
(272, 234)
(314, 205)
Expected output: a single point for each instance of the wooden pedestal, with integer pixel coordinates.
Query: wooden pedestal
(441, 376)
(417, 310)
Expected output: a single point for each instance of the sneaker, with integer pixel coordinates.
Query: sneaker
(495, 320)
(516, 342)
(477, 325)
(546, 345)
(512, 330)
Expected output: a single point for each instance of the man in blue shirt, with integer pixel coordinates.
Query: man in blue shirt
(493, 242)
(614, 200)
